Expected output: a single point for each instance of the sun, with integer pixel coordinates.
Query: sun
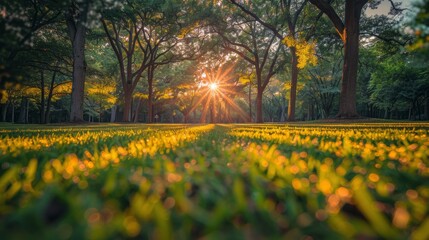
(213, 86)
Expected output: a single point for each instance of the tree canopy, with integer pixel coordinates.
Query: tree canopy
(212, 61)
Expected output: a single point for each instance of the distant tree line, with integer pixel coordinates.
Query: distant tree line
(153, 61)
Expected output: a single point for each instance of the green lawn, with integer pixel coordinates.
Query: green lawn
(295, 181)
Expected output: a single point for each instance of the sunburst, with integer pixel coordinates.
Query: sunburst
(217, 87)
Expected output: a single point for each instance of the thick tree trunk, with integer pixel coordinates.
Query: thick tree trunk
(349, 33)
(294, 82)
(351, 57)
(75, 19)
(79, 69)
(259, 118)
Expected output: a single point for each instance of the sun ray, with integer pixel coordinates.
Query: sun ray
(234, 106)
(218, 87)
(205, 109)
(200, 100)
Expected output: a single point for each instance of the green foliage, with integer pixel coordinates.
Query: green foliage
(341, 181)
(421, 26)
(398, 83)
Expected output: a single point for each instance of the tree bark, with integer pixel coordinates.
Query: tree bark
(49, 99)
(259, 118)
(76, 19)
(137, 111)
(283, 106)
(22, 110)
(79, 69)
(13, 112)
(4, 111)
(250, 100)
(349, 33)
(27, 106)
(113, 113)
(150, 95)
(128, 95)
(427, 106)
(185, 117)
(294, 82)
(351, 57)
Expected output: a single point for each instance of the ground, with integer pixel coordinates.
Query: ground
(269, 181)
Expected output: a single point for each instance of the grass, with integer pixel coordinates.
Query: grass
(272, 181)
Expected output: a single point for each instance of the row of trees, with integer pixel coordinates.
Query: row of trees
(144, 60)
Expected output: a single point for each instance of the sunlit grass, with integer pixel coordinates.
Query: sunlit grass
(330, 181)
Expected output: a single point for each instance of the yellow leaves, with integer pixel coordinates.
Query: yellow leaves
(306, 51)
(186, 30)
(245, 78)
(101, 91)
(63, 88)
(139, 95)
(166, 94)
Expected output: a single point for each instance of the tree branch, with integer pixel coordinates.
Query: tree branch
(258, 19)
(327, 9)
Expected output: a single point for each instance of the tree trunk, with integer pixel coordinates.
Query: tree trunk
(4, 111)
(427, 106)
(409, 112)
(212, 111)
(350, 65)
(77, 34)
(49, 100)
(22, 111)
(100, 112)
(250, 101)
(259, 118)
(27, 106)
(42, 97)
(283, 106)
(349, 33)
(113, 113)
(136, 112)
(294, 82)
(185, 117)
(128, 94)
(13, 113)
(150, 96)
